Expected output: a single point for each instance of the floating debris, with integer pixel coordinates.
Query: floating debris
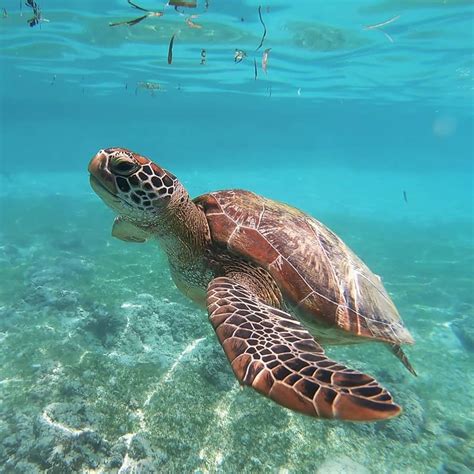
(149, 86)
(264, 28)
(203, 57)
(384, 23)
(179, 12)
(148, 14)
(388, 36)
(265, 59)
(170, 50)
(134, 5)
(129, 22)
(5, 13)
(239, 55)
(405, 196)
(189, 21)
(378, 26)
(255, 68)
(180, 3)
(37, 16)
(53, 81)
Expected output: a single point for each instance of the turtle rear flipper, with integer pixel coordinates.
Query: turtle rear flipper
(398, 351)
(272, 352)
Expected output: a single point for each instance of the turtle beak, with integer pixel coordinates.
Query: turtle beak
(100, 175)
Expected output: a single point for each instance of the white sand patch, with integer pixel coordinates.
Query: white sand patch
(72, 432)
(188, 349)
(6, 381)
(169, 373)
(128, 465)
(210, 455)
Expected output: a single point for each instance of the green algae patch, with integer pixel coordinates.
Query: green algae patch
(104, 364)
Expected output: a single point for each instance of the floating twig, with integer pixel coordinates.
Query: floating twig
(388, 36)
(405, 197)
(264, 28)
(383, 23)
(191, 23)
(170, 50)
(37, 16)
(203, 57)
(134, 21)
(181, 3)
(129, 22)
(134, 5)
(265, 59)
(378, 26)
(239, 55)
(255, 68)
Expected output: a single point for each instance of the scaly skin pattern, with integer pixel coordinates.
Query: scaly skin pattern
(321, 279)
(271, 277)
(274, 354)
(152, 199)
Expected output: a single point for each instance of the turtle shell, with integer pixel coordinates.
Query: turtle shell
(321, 279)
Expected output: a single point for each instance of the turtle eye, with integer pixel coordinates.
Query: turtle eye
(122, 166)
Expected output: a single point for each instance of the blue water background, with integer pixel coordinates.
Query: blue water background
(341, 125)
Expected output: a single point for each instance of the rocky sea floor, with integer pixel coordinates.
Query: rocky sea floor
(105, 367)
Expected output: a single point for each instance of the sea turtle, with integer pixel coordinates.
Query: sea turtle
(275, 281)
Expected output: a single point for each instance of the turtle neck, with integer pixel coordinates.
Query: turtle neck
(182, 230)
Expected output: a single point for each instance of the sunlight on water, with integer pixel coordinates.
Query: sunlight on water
(358, 113)
(322, 50)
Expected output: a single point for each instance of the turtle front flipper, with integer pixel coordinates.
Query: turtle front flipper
(272, 352)
(128, 232)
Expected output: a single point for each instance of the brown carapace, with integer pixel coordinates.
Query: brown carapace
(275, 281)
(317, 273)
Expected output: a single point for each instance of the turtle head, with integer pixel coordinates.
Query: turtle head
(133, 186)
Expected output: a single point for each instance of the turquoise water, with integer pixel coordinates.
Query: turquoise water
(104, 365)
